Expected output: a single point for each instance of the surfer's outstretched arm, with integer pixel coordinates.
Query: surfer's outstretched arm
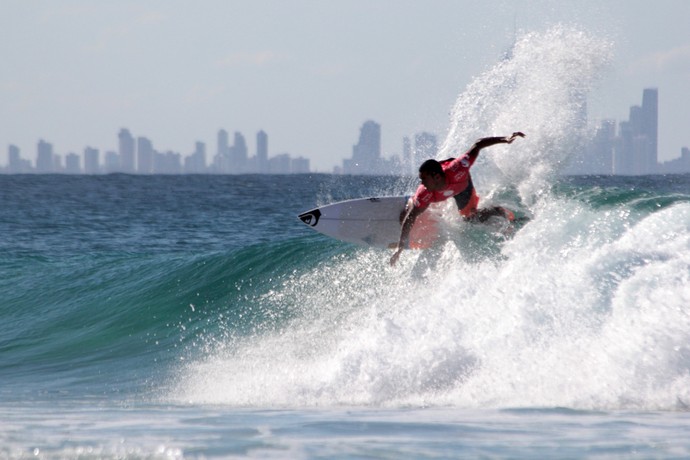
(407, 223)
(489, 141)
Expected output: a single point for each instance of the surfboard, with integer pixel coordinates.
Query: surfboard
(371, 222)
(376, 222)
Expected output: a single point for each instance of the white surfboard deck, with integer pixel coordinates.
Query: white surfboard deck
(371, 222)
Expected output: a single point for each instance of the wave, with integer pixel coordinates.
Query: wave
(585, 307)
(125, 315)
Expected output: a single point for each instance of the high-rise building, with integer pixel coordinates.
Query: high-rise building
(196, 162)
(599, 156)
(650, 126)
(126, 151)
(221, 162)
(167, 163)
(145, 154)
(57, 164)
(45, 160)
(261, 151)
(279, 164)
(15, 164)
(91, 161)
(238, 155)
(366, 154)
(112, 162)
(636, 148)
(223, 143)
(299, 165)
(72, 164)
(621, 164)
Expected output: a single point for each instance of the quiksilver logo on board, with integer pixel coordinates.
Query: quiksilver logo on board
(311, 218)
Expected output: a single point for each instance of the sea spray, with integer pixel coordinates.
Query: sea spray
(540, 88)
(107, 338)
(576, 313)
(593, 318)
(572, 311)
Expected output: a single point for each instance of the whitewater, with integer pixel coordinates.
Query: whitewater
(578, 288)
(182, 317)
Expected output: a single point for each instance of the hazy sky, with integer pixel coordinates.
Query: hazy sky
(309, 73)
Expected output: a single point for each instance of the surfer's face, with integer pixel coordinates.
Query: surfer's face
(432, 182)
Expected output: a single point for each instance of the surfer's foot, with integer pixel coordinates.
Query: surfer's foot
(482, 215)
(508, 214)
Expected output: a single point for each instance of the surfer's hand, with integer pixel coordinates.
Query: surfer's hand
(515, 135)
(396, 256)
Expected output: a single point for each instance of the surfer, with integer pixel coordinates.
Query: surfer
(450, 178)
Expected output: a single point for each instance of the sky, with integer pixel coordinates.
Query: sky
(309, 73)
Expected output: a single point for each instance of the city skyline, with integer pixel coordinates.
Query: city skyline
(628, 147)
(137, 155)
(309, 73)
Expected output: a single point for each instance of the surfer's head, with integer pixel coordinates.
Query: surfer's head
(431, 175)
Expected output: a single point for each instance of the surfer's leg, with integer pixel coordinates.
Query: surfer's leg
(482, 215)
(467, 202)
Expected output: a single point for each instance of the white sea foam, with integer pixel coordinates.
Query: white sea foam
(584, 308)
(540, 89)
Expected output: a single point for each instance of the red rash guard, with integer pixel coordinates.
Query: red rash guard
(457, 173)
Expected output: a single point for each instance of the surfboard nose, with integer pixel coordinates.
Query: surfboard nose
(310, 218)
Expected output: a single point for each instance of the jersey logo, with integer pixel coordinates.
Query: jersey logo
(459, 176)
(465, 162)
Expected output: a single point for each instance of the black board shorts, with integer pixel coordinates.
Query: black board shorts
(463, 198)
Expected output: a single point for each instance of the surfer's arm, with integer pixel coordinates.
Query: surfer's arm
(407, 224)
(489, 141)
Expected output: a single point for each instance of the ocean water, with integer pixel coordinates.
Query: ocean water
(197, 317)
(183, 317)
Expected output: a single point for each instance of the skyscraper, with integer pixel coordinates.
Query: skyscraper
(366, 154)
(112, 162)
(636, 149)
(261, 151)
(599, 156)
(91, 161)
(223, 145)
(44, 159)
(196, 162)
(222, 158)
(145, 154)
(650, 125)
(72, 164)
(238, 154)
(15, 160)
(126, 151)
(299, 165)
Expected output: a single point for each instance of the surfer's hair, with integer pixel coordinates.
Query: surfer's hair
(431, 167)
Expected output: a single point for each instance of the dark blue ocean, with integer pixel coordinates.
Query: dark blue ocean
(197, 317)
